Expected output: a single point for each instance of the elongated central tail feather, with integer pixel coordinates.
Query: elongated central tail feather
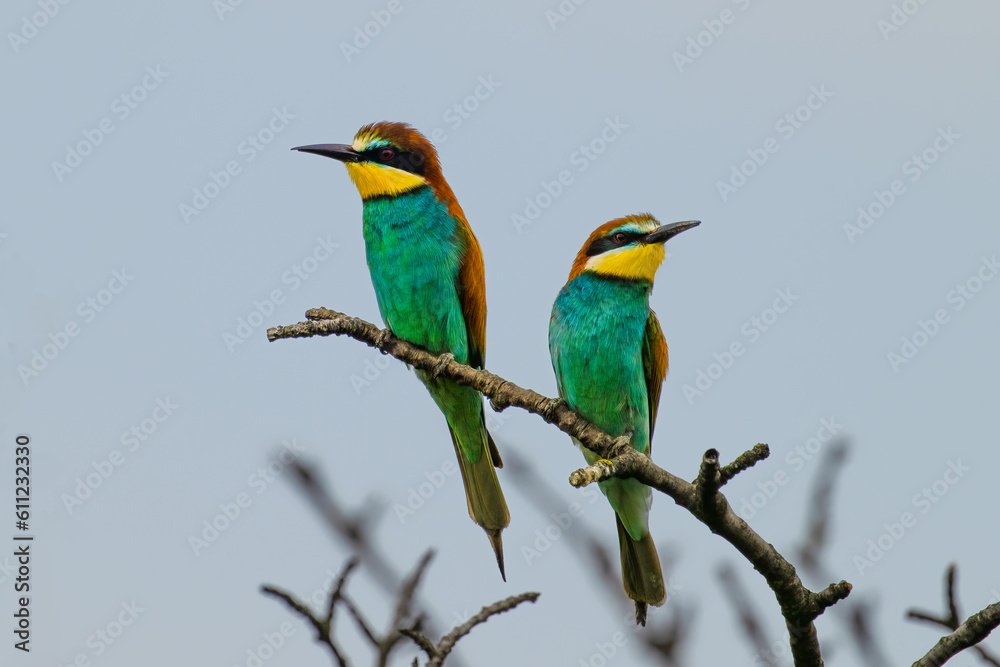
(641, 572)
(487, 506)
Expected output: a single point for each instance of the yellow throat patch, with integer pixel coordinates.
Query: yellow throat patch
(631, 263)
(374, 180)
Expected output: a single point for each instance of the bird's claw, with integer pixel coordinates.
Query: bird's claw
(441, 363)
(554, 404)
(622, 441)
(383, 337)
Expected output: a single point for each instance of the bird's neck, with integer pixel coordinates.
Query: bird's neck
(602, 292)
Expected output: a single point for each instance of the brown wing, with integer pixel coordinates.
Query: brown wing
(472, 295)
(654, 364)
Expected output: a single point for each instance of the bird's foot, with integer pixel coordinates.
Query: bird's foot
(441, 363)
(554, 404)
(621, 442)
(383, 337)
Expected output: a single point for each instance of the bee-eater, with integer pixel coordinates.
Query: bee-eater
(610, 359)
(427, 269)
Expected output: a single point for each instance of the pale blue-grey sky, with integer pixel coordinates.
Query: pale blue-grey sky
(156, 224)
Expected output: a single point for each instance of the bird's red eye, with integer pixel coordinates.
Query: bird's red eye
(386, 154)
(620, 237)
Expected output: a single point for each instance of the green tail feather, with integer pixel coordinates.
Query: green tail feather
(641, 572)
(487, 506)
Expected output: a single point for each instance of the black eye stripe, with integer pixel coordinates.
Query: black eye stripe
(606, 243)
(405, 160)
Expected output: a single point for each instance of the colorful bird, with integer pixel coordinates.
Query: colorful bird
(610, 359)
(427, 269)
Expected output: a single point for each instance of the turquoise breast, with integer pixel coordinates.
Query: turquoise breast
(414, 257)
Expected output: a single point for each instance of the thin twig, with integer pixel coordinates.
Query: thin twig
(437, 654)
(322, 626)
(353, 528)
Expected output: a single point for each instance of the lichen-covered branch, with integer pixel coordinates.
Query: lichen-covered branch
(799, 606)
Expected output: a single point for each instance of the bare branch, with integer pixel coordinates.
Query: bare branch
(744, 461)
(324, 626)
(423, 642)
(975, 629)
(799, 606)
(352, 528)
(323, 322)
(363, 625)
(437, 654)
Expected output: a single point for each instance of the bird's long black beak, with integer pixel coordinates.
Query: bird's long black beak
(341, 152)
(665, 232)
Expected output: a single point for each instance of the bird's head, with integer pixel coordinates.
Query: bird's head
(385, 159)
(629, 248)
